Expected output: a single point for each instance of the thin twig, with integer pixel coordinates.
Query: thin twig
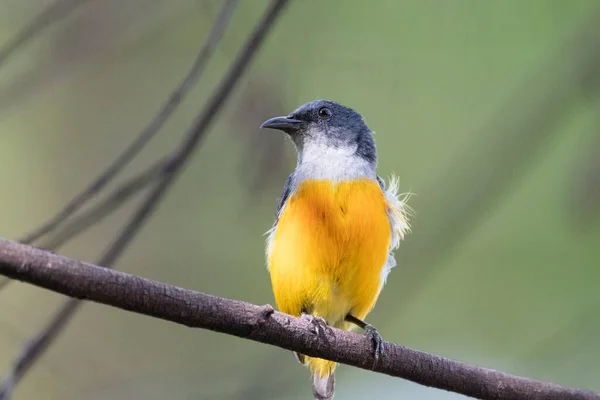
(53, 13)
(199, 128)
(35, 347)
(173, 166)
(262, 324)
(148, 132)
(143, 138)
(98, 212)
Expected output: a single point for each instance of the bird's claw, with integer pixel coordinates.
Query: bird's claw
(319, 325)
(375, 337)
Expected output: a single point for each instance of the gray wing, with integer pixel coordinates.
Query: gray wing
(381, 183)
(287, 189)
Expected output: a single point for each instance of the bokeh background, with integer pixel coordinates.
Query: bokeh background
(488, 111)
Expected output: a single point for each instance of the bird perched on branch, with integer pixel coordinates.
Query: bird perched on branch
(331, 246)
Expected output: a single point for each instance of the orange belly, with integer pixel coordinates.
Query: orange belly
(329, 248)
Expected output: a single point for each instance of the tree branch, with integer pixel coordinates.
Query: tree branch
(262, 324)
(176, 97)
(78, 224)
(74, 226)
(172, 167)
(36, 346)
(54, 12)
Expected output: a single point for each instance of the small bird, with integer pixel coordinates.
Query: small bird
(337, 224)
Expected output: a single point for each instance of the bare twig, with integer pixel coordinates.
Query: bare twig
(173, 166)
(136, 146)
(199, 128)
(147, 133)
(262, 324)
(35, 347)
(120, 195)
(53, 13)
(98, 212)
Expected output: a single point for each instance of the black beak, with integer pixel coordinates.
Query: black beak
(285, 124)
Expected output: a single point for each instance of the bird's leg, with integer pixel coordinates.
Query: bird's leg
(371, 333)
(319, 325)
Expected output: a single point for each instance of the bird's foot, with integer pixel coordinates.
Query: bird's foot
(372, 334)
(319, 325)
(375, 337)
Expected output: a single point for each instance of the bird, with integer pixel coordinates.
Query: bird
(336, 228)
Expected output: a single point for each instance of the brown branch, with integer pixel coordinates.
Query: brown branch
(53, 13)
(78, 224)
(173, 166)
(262, 324)
(107, 206)
(176, 97)
(36, 346)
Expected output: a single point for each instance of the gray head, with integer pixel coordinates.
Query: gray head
(324, 124)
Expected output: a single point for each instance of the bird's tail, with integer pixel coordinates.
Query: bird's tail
(322, 371)
(323, 374)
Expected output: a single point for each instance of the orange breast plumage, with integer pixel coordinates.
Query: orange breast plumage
(329, 248)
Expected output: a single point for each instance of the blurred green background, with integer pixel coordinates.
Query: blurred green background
(488, 111)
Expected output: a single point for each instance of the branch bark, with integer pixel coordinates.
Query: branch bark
(262, 324)
(53, 13)
(173, 165)
(131, 151)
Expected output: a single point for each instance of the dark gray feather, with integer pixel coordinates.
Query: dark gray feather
(287, 189)
(381, 183)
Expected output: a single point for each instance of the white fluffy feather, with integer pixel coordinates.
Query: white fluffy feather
(398, 213)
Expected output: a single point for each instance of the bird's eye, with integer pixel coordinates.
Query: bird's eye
(324, 113)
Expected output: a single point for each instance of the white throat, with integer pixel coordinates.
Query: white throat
(322, 160)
